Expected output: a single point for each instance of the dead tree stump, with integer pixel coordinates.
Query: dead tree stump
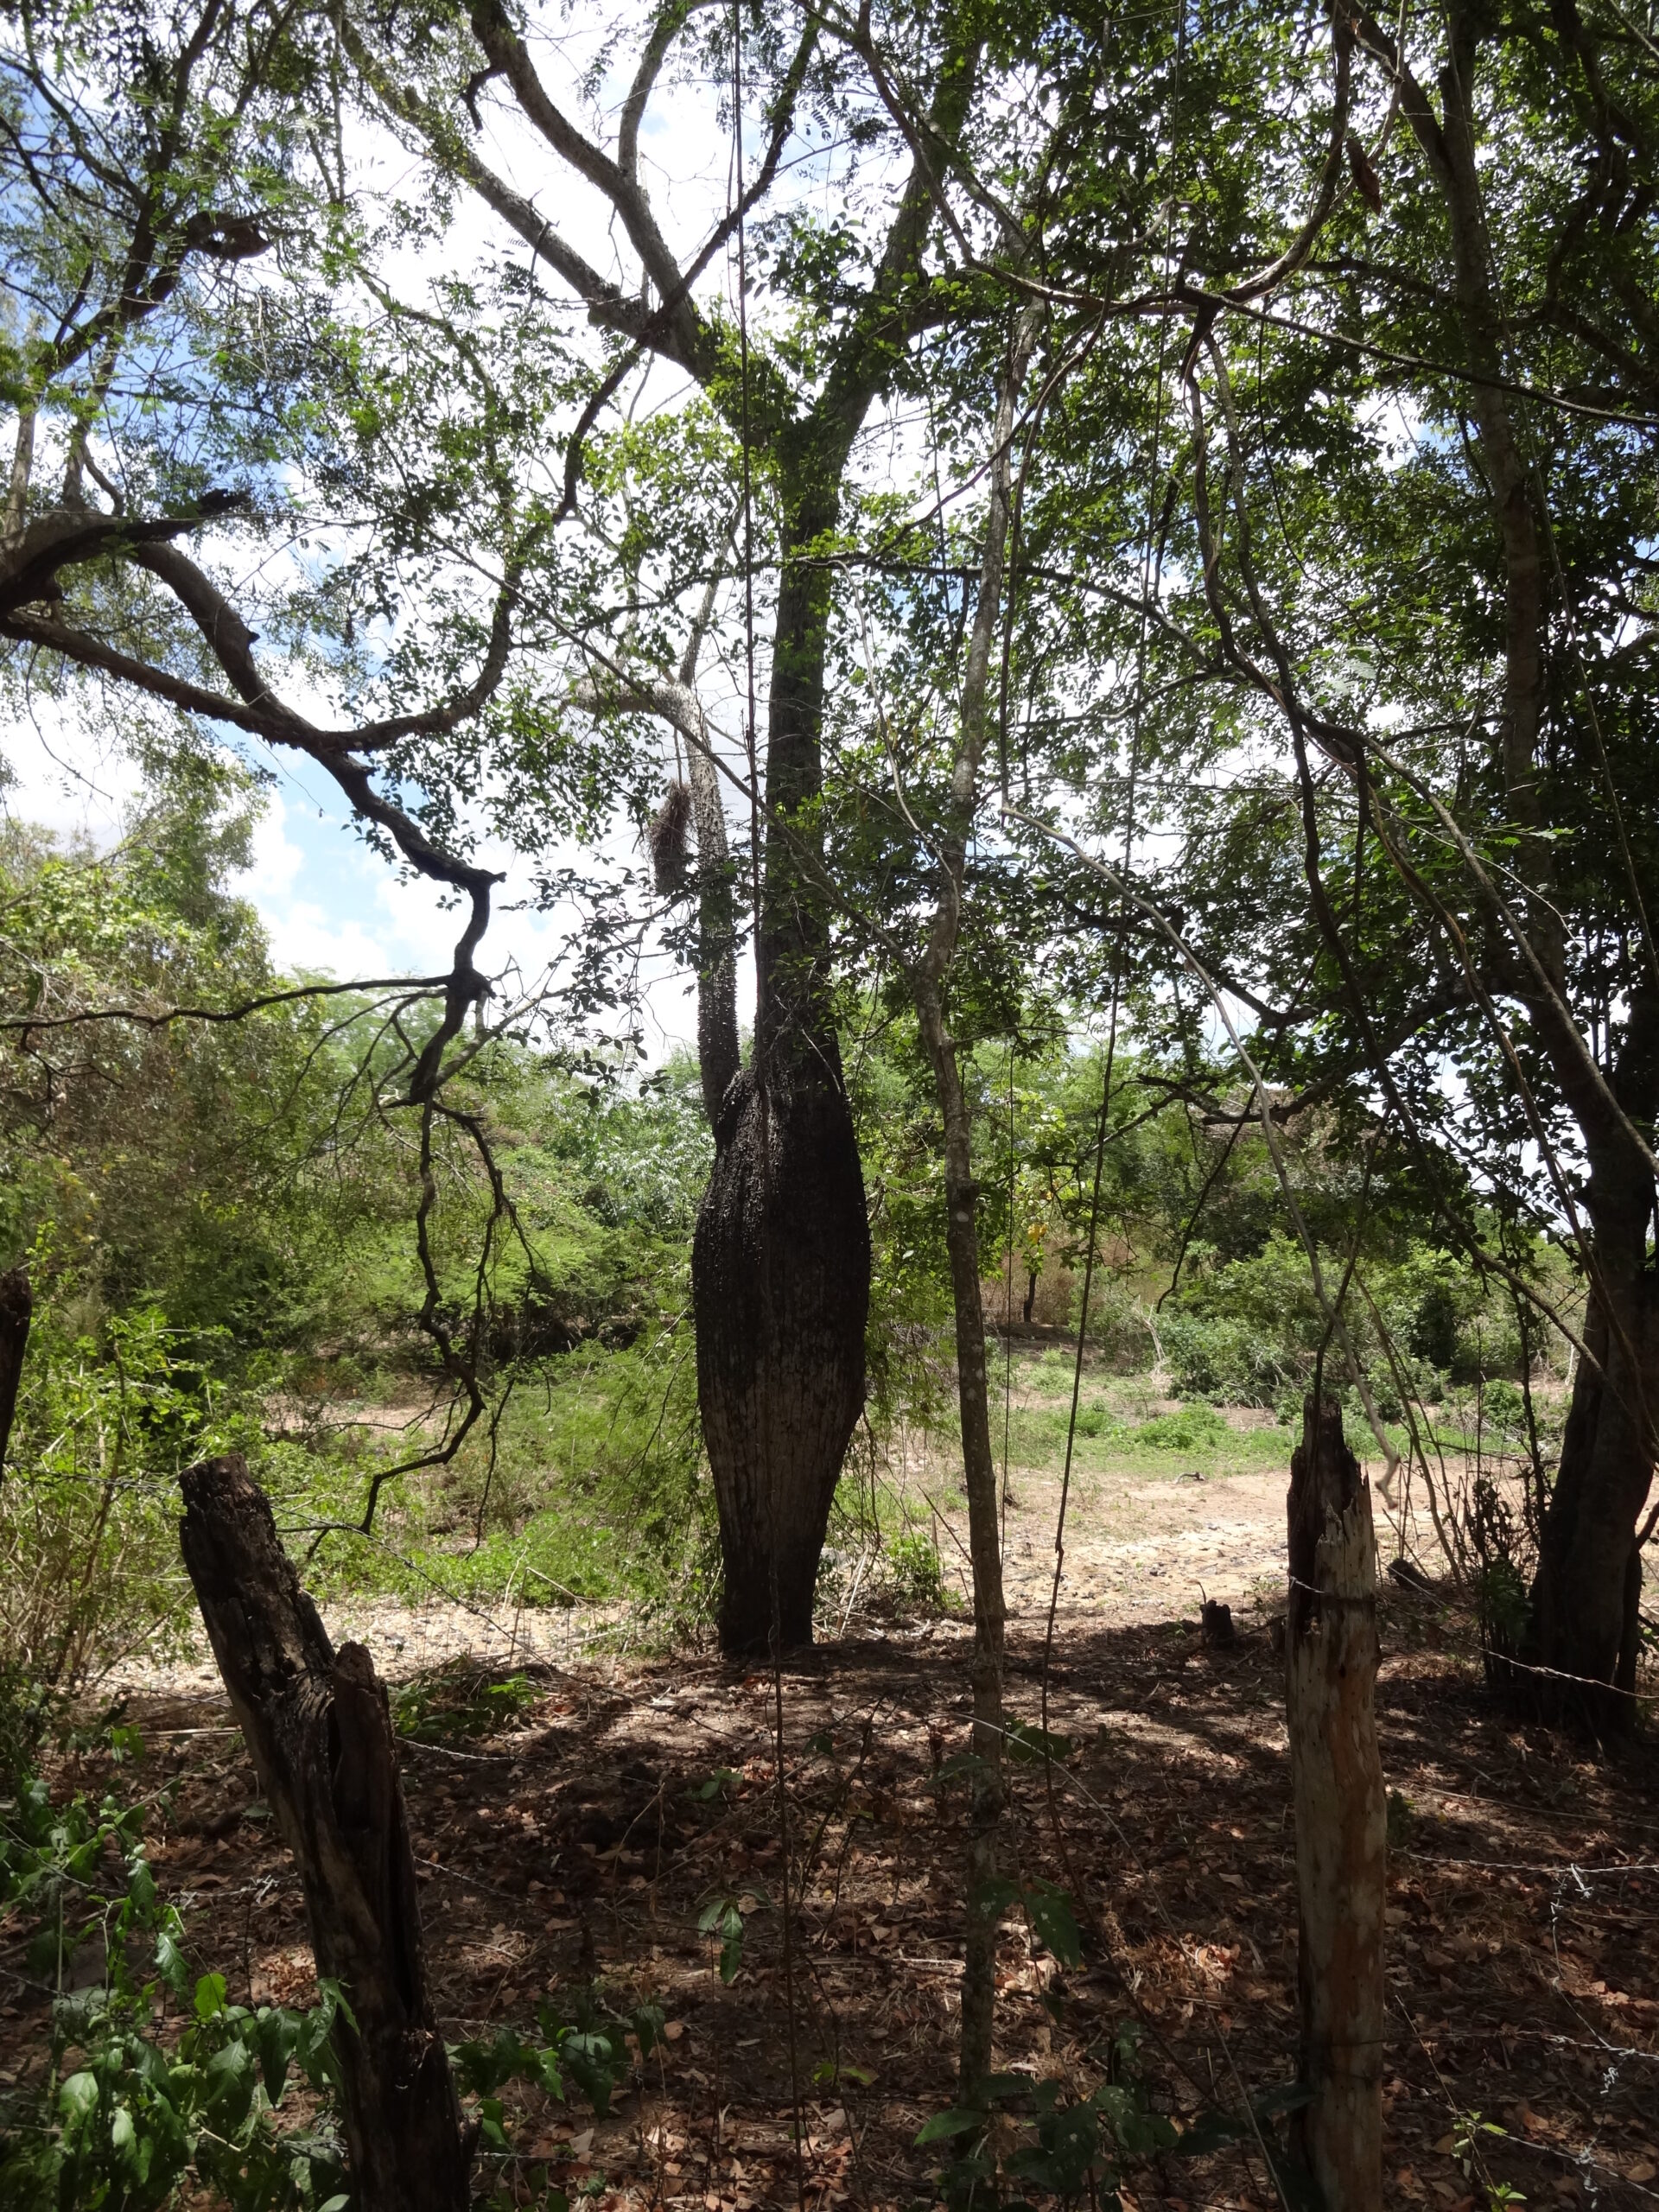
(16, 1311)
(318, 1726)
(1331, 1654)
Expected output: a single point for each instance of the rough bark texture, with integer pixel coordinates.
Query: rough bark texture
(318, 1728)
(1581, 1637)
(1331, 1653)
(781, 1264)
(17, 1309)
(718, 1056)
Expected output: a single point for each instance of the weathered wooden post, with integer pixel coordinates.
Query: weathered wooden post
(1330, 1654)
(319, 1729)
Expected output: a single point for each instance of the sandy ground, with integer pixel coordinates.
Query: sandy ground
(1143, 1544)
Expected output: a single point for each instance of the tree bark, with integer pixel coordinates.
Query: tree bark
(780, 1262)
(317, 1726)
(1581, 1634)
(1330, 1654)
(984, 1544)
(16, 1311)
(781, 1271)
(1578, 1652)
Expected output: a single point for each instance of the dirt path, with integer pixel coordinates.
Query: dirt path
(1145, 1544)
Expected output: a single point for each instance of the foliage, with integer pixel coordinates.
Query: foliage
(592, 2050)
(1028, 2137)
(88, 1508)
(119, 2120)
(914, 1571)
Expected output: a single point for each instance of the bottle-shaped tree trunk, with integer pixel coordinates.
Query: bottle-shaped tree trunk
(780, 1265)
(1330, 1652)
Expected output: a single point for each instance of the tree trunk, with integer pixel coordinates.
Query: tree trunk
(780, 1263)
(1582, 1622)
(317, 1726)
(1582, 1632)
(928, 981)
(781, 1267)
(1331, 1654)
(979, 1477)
(16, 1311)
(718, 1054)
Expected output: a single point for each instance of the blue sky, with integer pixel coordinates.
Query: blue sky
(329, 904)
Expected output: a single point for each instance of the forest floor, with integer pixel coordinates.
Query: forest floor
(572, 1847)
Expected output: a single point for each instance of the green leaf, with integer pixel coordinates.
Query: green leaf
(992, 1899)
(170, 1958)
(1031, 1745)
(78, 2098)
(945, 2124)
(210, 1996)
(1054, 1921)
(647, 2022)
(276, 2034)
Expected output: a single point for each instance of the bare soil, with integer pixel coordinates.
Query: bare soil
(577, 1846)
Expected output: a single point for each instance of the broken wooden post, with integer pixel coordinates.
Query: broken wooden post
(1330, 1652)
(17, 1309)
(318, 1726)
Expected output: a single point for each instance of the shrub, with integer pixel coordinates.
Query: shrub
(1194, 1428)
(128, 2122)
(914, 1573)
(106, 1422)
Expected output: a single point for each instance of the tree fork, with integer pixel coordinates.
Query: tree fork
(1330, 1657)
(317, 1725)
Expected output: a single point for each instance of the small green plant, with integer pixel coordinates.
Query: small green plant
(118, 2121)
(1465, 2139)
(591, 2052)
(459, 1701)
(1194, 1428)
(723, 1780)
(1027, 2133)
(913, 1571)
(721, 1919)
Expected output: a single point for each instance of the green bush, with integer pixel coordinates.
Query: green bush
(129, 2121)
(105, 1424)
(1194, 1428)
(914, 1573)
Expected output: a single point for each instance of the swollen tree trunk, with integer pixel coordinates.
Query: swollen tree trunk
(1331, 1653)
(1579, 1651)
(780, 1262)
(16, 1311)
(317, 1726)
(781, 1276)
